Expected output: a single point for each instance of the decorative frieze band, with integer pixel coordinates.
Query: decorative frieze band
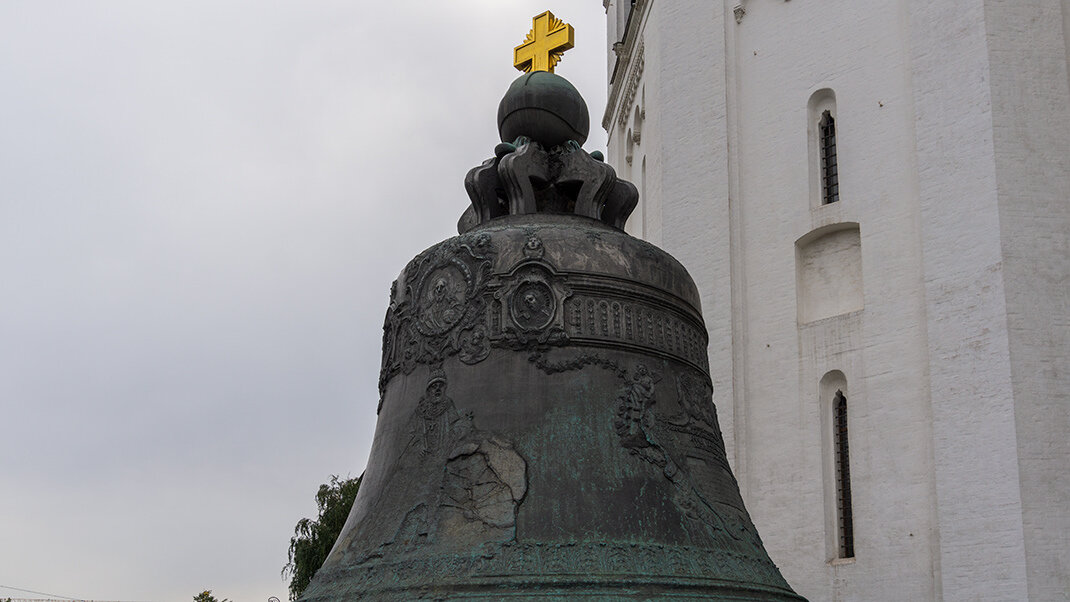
(629, 66)
(449, 302)
(634, 323)
(634, 76)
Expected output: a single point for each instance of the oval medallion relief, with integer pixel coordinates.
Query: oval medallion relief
(533, 306)
(442, 299)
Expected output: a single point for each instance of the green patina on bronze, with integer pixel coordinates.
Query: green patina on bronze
(545, 107)
(546, 426)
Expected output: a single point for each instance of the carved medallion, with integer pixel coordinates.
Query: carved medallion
(532, 300)
(533, 306)
(442, 311)
(443, 298)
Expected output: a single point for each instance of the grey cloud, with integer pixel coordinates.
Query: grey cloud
(202, 206)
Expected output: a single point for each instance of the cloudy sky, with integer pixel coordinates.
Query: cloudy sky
(202, 206)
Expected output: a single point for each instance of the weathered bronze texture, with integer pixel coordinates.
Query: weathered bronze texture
(546, 428)
(544, 107)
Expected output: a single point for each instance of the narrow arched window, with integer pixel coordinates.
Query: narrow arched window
(843, 476)
(830, 185)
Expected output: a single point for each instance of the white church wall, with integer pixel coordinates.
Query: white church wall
(625, 151)
(1031, 142)
(953, 150)
(828, 266)
(785, 53)
(952, 136)
(980, 510)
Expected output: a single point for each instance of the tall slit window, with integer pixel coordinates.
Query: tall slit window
(843, 476)
(830, 186)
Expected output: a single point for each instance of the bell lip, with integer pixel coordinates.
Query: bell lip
(555, 587)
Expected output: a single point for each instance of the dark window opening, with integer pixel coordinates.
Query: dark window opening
(830, 183)
(843, 475)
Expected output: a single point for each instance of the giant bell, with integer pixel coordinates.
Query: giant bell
(546, 427)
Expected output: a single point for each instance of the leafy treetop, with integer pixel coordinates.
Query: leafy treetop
(313, 539)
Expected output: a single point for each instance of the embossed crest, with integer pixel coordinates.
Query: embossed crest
(533, 306)
(443, 298)
(532, 300)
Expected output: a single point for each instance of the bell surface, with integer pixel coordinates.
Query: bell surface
(546, 431)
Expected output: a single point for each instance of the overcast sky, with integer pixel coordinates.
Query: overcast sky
(202, 207)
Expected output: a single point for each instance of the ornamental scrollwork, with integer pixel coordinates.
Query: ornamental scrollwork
(531, 302)
(439, 308)
(683, 445)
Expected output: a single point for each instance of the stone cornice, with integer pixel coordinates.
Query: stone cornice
(628, 67)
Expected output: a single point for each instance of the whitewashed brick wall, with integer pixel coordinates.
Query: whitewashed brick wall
(953, 127)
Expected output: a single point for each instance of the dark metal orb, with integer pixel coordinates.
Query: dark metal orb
(544, 107)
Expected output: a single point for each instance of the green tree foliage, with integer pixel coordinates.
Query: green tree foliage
(313, 539)
(206, 596)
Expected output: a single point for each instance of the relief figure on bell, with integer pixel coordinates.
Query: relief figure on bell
(443, 302)
(633, 418)
(533, 305)
(438, 423)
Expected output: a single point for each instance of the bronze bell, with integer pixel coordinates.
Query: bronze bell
(546, 426)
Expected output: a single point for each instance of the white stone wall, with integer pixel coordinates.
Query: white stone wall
(1031, 147)
(953, 131)
(978, 504)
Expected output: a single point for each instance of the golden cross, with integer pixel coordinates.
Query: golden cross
(548, 39)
